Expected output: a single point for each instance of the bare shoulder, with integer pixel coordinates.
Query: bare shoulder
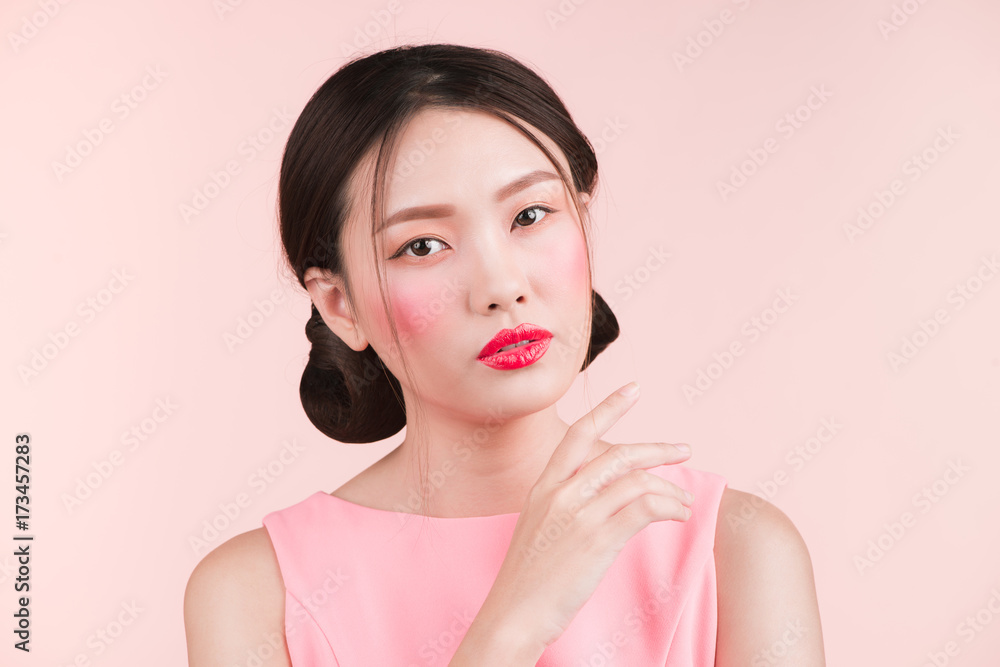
(234, 604)
(768, 609)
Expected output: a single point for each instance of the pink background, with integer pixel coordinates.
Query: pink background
(667, 132)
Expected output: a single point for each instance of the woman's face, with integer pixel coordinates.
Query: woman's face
(476, 257)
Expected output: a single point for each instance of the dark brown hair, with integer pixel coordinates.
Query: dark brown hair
(360, 110)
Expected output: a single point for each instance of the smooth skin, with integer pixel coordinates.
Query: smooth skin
(767, 608)
(501, 268)
(235, 598)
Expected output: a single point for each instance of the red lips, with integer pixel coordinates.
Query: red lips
(510, 336)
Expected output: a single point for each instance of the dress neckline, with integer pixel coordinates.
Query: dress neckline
(338, 499)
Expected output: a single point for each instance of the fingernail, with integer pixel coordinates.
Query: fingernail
(631, 389)
(687, 494)
(683, 447)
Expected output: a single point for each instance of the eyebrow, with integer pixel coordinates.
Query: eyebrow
(445, 210)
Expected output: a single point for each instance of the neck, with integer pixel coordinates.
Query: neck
(479, 467)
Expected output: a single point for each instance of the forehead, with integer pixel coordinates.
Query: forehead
(443, 154)
(466, 144)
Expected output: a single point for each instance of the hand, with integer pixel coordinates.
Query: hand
(576, 520)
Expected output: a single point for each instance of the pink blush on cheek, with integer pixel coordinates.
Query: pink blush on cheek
(411, 314)
(577, 259)
(565, 261)
(410, 301)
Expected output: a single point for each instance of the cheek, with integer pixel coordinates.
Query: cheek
(563, 261)
(406, 313)
(577, 262)
(413, 310)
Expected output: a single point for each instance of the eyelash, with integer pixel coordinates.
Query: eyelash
(406, 246)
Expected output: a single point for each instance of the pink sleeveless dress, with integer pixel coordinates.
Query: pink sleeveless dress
(376, 588)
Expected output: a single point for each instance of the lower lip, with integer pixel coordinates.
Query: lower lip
(519, 357)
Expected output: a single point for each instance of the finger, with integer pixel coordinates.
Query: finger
(627, 488)
(570, 454)
(642, 511)
(619, 460)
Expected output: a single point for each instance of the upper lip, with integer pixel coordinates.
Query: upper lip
(509, 336)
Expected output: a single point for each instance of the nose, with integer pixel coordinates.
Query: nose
(498, 279)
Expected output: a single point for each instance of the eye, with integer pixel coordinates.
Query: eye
(534, 218)
(420, 245)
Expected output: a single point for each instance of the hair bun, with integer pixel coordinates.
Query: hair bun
(603, 328)
(350, 396)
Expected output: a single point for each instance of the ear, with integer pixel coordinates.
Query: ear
(585, 198)
(326, 289)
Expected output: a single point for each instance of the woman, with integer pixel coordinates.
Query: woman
(432, 201)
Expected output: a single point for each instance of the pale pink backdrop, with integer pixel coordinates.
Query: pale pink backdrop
(128, 306)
